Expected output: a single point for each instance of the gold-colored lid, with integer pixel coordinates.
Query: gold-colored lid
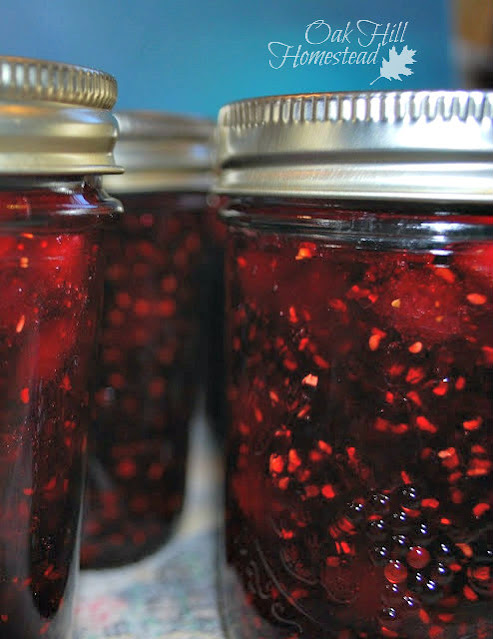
(162, 151)
(55, 119)
(425, 145)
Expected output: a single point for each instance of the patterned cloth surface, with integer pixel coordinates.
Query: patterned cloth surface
(172, 595)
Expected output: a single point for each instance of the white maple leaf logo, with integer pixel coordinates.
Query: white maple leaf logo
(395, 66)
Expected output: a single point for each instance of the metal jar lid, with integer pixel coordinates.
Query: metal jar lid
(162, 151)
(425, 145)
(55, 119)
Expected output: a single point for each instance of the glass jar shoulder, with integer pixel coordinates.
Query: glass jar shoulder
(67, 203)
(402, 225)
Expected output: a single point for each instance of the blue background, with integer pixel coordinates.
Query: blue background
(194, 55)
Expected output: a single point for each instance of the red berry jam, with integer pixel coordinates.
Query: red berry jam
(359, 474)
(51, 287)
(146, 380)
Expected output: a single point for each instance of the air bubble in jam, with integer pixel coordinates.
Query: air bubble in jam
(371, 466)
(146, 378)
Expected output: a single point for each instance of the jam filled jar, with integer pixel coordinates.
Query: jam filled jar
(146, 380)
(359, 318)
(56, 139)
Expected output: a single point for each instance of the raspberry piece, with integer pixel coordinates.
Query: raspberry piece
(428, 307)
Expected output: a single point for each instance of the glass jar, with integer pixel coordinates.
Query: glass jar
(56, 138)
(359, 295)
(146, 380)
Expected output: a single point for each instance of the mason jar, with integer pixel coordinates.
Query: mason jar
(56, 140)
(150, 348)
(359, 272)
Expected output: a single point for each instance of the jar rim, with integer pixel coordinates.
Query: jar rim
(162, 151)
(55, 118)
(414, 145)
